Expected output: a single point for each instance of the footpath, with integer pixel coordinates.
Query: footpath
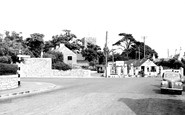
(27, 88)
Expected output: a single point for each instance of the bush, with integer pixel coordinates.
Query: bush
(8, 69)
(56, 56)
(61, 66)
(85, 67)
(5, 59)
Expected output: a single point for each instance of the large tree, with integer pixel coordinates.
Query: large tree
(35, 44)
(133, 49)
(125, 42)
(68, 39)
(11, 44)
(92, 53)
(137, 51)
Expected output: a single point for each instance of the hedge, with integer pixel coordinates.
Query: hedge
(61, 66)
(8, 69)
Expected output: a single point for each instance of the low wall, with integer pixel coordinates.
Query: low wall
(34, 67)
(8, 82)
(42, 67)
(76, 73)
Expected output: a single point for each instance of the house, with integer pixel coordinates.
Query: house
(69, 57)
(148, 67)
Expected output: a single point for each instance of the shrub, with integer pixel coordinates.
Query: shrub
(56, 56)
(61, 66)
(8, 69)
(85, 67)
(5, 59)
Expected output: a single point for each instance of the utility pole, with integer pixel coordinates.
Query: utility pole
(144, 45)
(168, 53)
(139, 53)
(106, 54)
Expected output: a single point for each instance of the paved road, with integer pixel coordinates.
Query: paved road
(98, 97)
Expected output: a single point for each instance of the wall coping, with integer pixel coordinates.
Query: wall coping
(8, 76)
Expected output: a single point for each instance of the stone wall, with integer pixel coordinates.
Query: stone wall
(8, 82)
(42, 67)
(36, 67)
(76, 73)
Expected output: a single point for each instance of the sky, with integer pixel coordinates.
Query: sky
(161, 21)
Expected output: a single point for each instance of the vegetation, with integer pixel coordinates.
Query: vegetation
(13, 44)
(61, 66)
(132, 49)
(172, 63)
(68, 39)
(35, 44)
(8, 69)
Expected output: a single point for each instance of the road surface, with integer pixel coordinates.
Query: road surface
(98, 96)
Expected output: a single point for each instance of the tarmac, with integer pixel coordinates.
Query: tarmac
(27, 88)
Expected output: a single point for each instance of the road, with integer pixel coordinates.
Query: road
(98, 96)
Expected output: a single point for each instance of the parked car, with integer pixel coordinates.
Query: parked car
(172, 81)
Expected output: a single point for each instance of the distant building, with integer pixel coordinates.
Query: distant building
(133, 68)
(87, 40)
(69, 57)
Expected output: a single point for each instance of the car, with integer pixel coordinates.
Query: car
(172, 81)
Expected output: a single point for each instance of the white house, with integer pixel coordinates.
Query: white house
(69, 57)
(146, 65)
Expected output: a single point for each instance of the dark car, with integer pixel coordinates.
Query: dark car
(172, 81)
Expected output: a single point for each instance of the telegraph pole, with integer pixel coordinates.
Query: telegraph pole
(106, 54)
(144, 45)
(139, 52)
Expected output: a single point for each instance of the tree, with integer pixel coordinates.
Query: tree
(92, 53)
(101, 57)
(35, 44)
(138, 47)
(11, 44)
(133, 49)
(67, 39)
(126, 42)
(172, 63)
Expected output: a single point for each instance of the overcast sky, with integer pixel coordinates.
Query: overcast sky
(162, 21)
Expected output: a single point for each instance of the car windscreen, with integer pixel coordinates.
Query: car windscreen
(172, 75)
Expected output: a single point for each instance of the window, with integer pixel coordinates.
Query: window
(147, 69)
(153, 69)
(69, 57)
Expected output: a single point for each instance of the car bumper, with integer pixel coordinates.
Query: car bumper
(172, 89)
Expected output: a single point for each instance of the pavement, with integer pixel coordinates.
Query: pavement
(27, 88)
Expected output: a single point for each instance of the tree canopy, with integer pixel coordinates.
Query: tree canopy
(125, 42)
(133, 49)
(35, 44)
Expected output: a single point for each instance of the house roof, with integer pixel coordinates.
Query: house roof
(62, 48)
(136, 63)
